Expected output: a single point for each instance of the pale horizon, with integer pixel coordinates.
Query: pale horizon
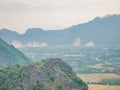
(46, 29)
(48, 14)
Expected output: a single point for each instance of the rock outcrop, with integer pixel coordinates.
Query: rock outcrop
(51, 74)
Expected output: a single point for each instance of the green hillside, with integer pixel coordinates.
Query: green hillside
(10, 55)
(51, 74)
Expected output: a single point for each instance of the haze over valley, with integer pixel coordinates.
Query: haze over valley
(59, 44)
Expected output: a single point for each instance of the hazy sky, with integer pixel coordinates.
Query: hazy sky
(19, 15)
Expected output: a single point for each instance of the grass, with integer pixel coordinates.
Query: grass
(103, 87)
(97, 77)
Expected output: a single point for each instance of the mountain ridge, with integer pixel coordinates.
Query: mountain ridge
(102, 31)
(9, 55)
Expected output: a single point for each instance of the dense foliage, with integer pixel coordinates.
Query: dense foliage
(10, 55)
(110, 82)
(107, 82)
(52, 74)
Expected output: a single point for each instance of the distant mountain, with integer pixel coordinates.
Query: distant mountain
(51, 74)
(99, 31)
(10, 55)
(8, 35)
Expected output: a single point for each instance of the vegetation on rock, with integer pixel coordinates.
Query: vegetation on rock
(51, 74)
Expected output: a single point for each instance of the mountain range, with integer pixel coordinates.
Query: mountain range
(99, 31)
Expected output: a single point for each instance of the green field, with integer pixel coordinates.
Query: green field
(85, 60)
(97, 77)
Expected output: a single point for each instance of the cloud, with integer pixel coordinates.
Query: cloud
(18, 44)
(76, 42)
(57, 5)
(90, 44)
(36, 44)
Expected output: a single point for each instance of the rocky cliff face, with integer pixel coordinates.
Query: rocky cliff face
(51, 74)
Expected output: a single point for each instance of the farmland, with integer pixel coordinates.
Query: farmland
(103, 87)
(97, 77)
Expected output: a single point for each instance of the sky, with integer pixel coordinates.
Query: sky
(19, 15)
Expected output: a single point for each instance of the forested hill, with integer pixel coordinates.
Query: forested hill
(9, 55)
(50, 74)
